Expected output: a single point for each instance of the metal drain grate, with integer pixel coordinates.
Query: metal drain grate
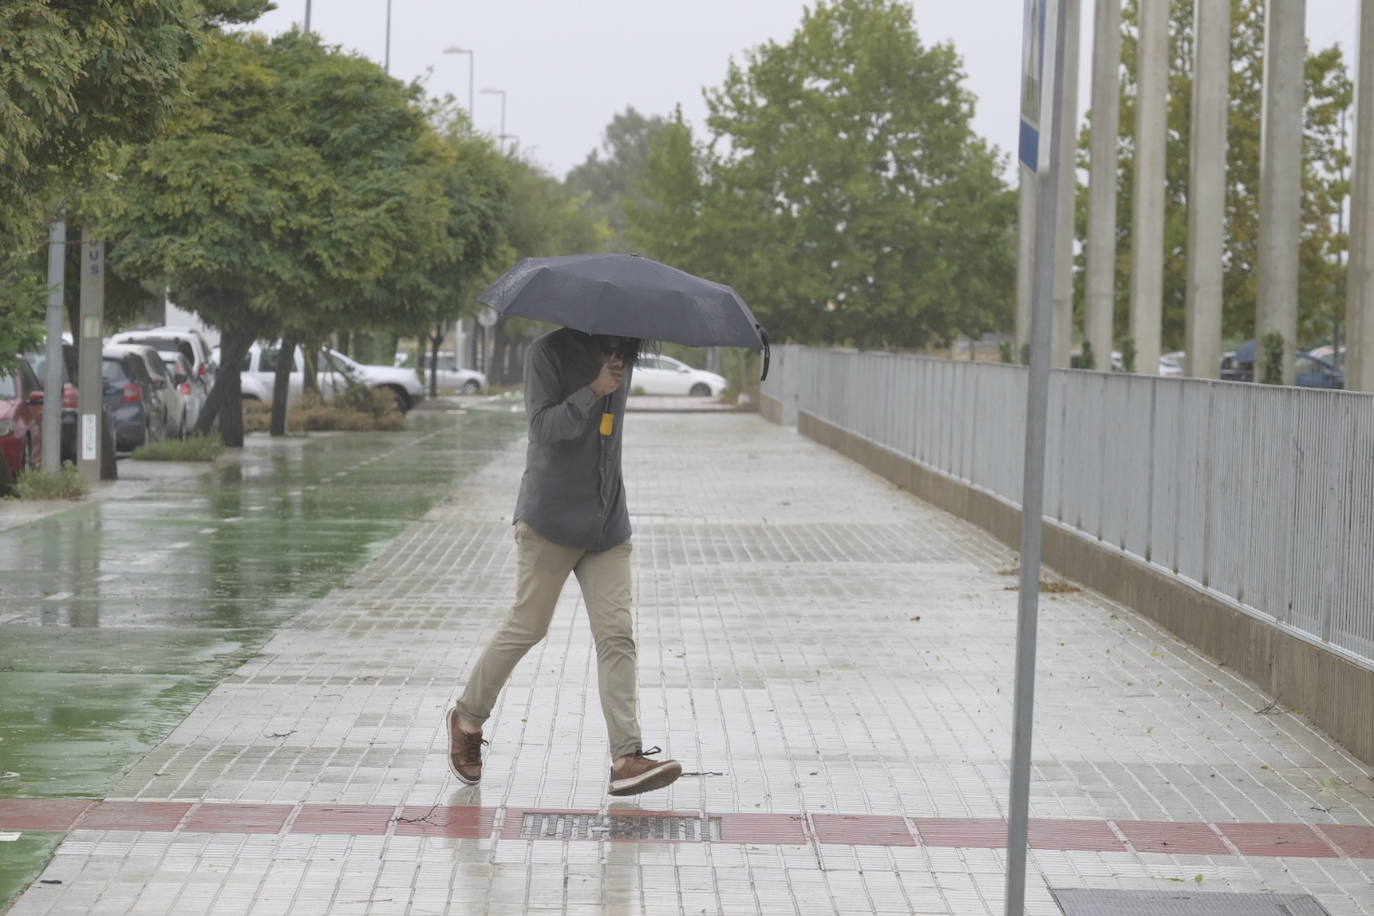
(541, 825)
(1081, 902)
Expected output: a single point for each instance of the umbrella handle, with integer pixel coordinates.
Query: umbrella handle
(767, 355)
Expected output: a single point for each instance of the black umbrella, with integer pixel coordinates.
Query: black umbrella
(628, 296)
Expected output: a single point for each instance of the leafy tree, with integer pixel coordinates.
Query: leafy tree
(545, 219)
(77, 78)
(291, 178)
(430, 289)
(844, 192)
(21, 322)
(1325, 161)
(610, 182)
(666, 216)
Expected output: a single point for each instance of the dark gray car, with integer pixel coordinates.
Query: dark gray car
(133, 397)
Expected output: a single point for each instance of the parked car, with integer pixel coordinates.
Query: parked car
(21, 417)
(174, 404)
(187, 341)
(71, 402)
(133, 397)
(452, 377)
(665, 375)
(334, 373)
(192, 388)
(1238, 365)
(1332, 355)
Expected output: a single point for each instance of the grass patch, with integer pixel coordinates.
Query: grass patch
(359, 410)
(61, 484)
(196, 448)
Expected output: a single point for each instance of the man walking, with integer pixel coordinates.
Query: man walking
(570, 518)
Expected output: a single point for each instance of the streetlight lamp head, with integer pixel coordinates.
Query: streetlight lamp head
(493, 92)
(456, 50)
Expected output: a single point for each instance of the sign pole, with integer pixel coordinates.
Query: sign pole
(52, 370)
(1041, 120)
(90, 338)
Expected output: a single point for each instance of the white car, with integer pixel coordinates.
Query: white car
(664, 375)
(187, 341)
(334, 372)
(452, 377)
(193, 388)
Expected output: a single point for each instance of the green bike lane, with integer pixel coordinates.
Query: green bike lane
(117, 617)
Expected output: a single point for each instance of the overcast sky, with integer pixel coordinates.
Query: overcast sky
(568, 67)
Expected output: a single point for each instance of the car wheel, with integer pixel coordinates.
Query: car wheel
(471, 387)
(700, 390)
(402, 401)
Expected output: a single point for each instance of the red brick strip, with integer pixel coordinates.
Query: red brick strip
(1278, 840)
(1173, 837)
(221, 818)
(470, 822)
(862, 830)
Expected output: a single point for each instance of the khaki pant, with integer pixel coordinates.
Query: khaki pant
(605, 580)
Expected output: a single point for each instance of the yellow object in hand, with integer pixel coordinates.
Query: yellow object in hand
(607, 424)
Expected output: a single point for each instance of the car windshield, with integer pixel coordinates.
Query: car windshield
(166, 344)
(155, 367)
(337, 359)
(112, 370)
(39, 361)
(7, 389)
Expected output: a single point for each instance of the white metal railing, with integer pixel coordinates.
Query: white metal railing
(1260, 495)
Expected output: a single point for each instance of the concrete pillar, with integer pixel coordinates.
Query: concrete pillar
(1280, 193)
(1061, 340)
(1207, 186)
(1359, 304)
(1100, 281)
(1147, 223)
(1025, 258)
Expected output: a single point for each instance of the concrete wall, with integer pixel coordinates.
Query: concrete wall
(1336, 694)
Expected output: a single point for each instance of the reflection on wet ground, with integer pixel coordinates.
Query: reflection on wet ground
(117, 617)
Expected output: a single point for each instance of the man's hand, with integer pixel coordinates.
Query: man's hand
(608, 380)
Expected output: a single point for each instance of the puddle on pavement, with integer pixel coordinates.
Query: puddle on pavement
(117, 617)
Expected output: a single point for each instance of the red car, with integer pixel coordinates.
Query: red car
(21, 417)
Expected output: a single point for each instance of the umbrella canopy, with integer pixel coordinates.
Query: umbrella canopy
(628, 296)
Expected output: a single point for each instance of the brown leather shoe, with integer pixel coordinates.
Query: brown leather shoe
(640, 774)
(464, 751)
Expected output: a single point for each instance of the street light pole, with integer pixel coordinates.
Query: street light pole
(472, 114)
(387, 66)
(502, 93)
(307, 16)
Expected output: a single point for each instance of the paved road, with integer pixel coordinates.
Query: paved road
(829, 657)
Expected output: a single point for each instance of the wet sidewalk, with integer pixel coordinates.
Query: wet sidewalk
(830, 659)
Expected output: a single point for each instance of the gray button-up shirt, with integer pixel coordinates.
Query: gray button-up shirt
(572, 492)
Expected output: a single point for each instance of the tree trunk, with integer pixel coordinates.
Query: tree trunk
(227, 395)
(281, 384)
(310, 377)
(499, 343)
(343, 343)
(435, 341)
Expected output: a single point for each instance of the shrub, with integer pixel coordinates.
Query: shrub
(358, 409)
(196, 448)
(257, 417)
(61, 484)
(1128, 354)
(1272, 367)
